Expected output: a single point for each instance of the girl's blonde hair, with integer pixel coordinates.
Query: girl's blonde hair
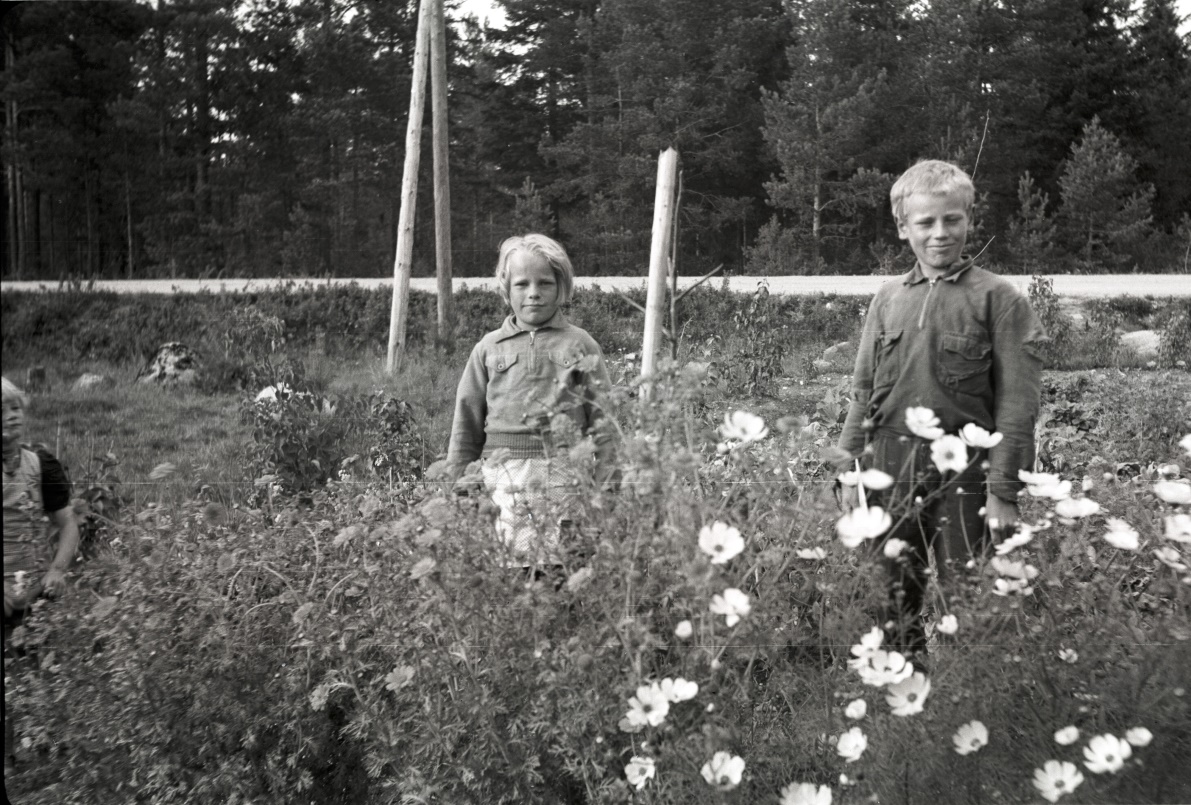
(549, 250)
(931, 176)
(11, 392)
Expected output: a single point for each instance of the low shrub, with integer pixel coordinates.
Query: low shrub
(1174, 327)
(301, 439)
(1045, 303)
(228, 329)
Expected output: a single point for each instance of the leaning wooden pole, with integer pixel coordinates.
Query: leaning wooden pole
(659, 252)
(442, 176)
(403, 261)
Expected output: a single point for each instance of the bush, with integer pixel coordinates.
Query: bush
(1174, 344)
(234, 331)
(300, 439)
(1045, 302)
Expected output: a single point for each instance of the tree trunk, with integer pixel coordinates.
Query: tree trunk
(128, 220)
(50, 214)
(90, 201)
(202, 119)
(35, 236)
(13, 218)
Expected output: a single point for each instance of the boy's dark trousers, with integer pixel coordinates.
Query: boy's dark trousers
(948, 523)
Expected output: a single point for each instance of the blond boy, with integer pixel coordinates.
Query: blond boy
(956, 339)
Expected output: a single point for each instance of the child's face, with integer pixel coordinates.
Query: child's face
(936, 225)
(14, 422)
(533, 288)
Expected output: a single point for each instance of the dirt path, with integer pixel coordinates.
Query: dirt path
(1068, 286)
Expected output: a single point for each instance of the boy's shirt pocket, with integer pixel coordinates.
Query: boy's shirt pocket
(886, 360)
(965, 363)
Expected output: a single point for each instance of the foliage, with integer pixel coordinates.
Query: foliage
(1104, 210)
(241, 138)
(777, 251)
(755, 365)
(1045, 303)
(1031, 232)
(97, 503)
(1174, 345)
(349, 321)
(300, 440)
(373, 645)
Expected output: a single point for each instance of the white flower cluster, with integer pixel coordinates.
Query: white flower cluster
(949, 453)
(651, 705)
(1120, 534)
(1104, 754)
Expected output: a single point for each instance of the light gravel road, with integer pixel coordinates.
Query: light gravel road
(1067, 286)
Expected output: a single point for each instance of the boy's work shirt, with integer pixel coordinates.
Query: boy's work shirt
(965, 345)
(517, 380)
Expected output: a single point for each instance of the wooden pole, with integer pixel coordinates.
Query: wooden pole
(402, 262)
(442, 177)
(674, 272)
(659, 252)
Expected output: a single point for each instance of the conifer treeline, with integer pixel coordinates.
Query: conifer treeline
(264, 137)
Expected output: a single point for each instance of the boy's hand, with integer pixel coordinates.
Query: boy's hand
(53, 583)
(1001, 516)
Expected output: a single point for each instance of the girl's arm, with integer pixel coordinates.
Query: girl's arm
(471, 409)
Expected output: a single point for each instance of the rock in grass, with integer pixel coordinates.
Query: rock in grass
(1143, 342)
(35, 379)
(88, 380)
(175, 364)
(839, 356)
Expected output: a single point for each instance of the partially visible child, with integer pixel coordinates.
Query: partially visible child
(963, 342)
(36, 507)
(518, 381)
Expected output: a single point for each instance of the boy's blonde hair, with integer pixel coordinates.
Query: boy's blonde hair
(11, 392)
(549, 250)
(931, 176)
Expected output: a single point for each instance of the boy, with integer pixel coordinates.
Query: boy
(961, 341)
(524, 385)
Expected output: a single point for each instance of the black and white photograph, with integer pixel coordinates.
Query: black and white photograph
(588, 402)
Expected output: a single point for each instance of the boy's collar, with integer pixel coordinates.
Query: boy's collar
(511, 327)
(951, 275)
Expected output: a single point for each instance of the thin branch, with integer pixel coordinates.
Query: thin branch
(700, 281)
(980, 150)
(622, 295)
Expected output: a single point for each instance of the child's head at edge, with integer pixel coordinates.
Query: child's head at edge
(549, 250)
(15, 402)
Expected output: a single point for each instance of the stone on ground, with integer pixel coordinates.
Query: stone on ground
(1143, 342)
(89, 380)
(174, 364)
(841, 357)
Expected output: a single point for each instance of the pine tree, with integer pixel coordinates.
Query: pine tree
(831, 125)
(1105, 209)
(1031, 231)
(1162, 66)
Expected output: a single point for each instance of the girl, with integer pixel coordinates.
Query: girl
(526, 386)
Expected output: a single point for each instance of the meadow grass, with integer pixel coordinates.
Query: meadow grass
(145, 426)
